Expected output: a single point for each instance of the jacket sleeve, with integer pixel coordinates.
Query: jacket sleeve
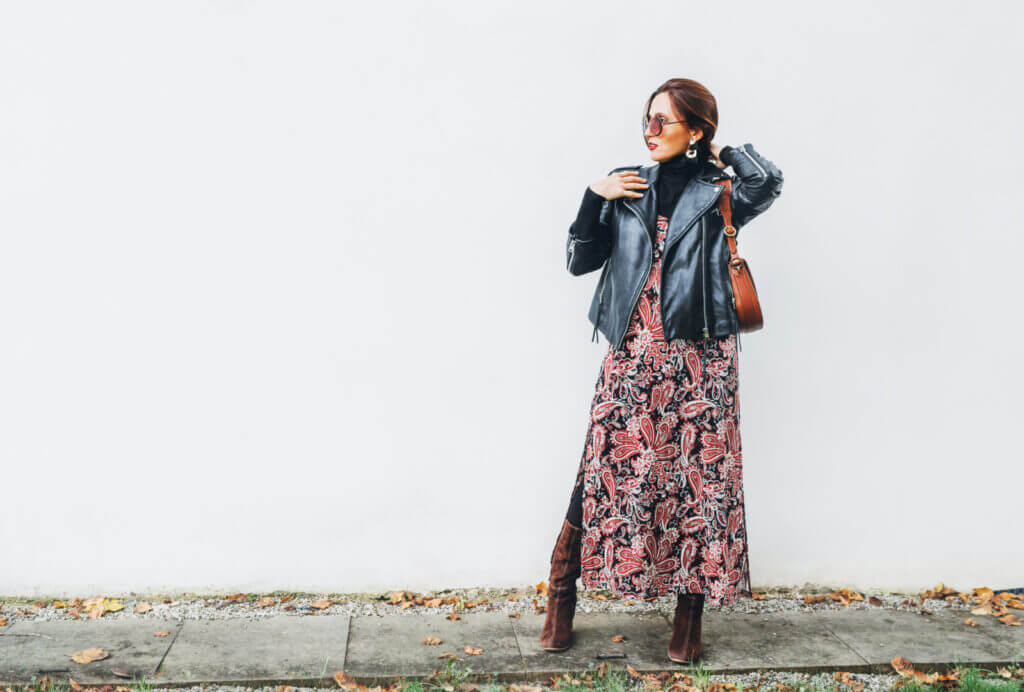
(590, 236)
(757, 183)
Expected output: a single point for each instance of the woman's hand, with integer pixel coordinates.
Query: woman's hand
(619, 184)
(715, 150)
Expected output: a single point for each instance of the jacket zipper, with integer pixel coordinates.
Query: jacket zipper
(744, 150)
(700, 216)
(661, 287)
(703, 276)
(643, 283)
(600, 300)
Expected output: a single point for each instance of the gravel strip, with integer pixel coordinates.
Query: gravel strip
(765, 680)
(191, 607)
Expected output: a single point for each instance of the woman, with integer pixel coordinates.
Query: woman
(658, 503)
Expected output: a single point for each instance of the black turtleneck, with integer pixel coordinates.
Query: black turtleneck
(673, 175)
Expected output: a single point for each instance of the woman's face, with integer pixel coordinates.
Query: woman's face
(675, 138)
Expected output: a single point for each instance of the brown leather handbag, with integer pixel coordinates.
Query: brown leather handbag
(748, 308)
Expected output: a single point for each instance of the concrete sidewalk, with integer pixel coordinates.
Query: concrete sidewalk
(308, 650)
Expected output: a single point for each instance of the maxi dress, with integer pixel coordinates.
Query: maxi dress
(662, 467)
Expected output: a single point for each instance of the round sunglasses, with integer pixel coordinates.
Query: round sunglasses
(657, 124)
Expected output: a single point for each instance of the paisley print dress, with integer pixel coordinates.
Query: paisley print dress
(662, 469)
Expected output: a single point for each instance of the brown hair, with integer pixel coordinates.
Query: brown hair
(695, 104)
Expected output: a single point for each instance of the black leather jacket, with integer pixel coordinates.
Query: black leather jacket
(696, 291)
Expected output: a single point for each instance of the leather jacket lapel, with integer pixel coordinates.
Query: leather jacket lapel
(697, 196)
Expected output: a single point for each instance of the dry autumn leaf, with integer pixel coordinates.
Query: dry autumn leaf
(542, 588)
(161, 634)
(447, 655)
(89, 655)
(431, 641)
(265, 602)
(473, 650)
(619, 638)
(322, 603)
(144, 607)
(453, 616)
(284, 688)
(3, 621)
(847, 679)
(971, 621)
(74, 685)
(344, 679)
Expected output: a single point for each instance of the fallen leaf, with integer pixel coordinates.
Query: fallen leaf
(633, 672)
(514, 615)
(901, 665)
(847, 679)
(542, 588)
(322, 603)
(284, 688)
(74, 685)
(619, 638)
(120, 673)
(3, 621)
(453, 616)
(344, 679)
(431, 641)
(1009, 619)
(89, 655)
(473, 650)
(265, 601)
(161, 634)
(447, 655)
(971, 621)
(143, 607)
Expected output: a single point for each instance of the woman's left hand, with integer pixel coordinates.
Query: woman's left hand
(715, 149)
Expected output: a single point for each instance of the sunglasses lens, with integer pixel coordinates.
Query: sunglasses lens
(656, 127)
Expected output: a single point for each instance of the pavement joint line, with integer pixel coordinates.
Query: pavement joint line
(519, 647)
(848, 645)
(177, 631)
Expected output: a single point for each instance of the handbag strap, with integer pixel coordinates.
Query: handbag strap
(726, 209)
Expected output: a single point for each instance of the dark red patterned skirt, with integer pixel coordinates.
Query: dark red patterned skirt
(662, 469)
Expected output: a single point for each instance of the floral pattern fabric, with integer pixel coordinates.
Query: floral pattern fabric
(662, 469)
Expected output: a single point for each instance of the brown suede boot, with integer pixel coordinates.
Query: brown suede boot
(565, 569)
(685, 646)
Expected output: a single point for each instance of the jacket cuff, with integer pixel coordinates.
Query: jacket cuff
(590, 210)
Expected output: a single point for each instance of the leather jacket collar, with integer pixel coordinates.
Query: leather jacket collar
(698, 195)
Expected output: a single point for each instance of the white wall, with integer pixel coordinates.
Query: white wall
(284, 302)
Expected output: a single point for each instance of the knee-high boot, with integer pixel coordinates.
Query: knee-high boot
(565, 569)
(685, 646)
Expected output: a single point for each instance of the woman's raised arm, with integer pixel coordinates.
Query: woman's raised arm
(757, 183)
